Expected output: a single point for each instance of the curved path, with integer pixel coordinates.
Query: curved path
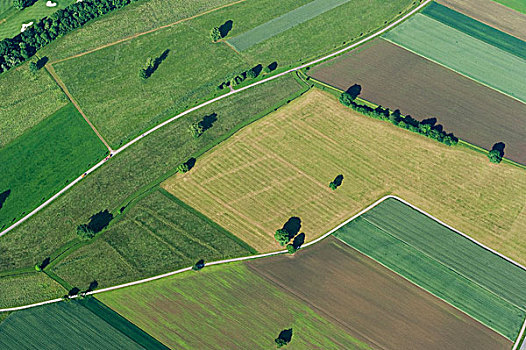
(96, 166)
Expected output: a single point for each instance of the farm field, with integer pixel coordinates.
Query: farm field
(28, 288)
(478, 282)
(233, 308)
(73, 325)
(21, 91)
(114, 185)
(280, 167)
(476, 29)
(45, 159)
(462, 53)
(367, 299)
(491, 13)
(398, 79)
(157, 235)
(518, 5)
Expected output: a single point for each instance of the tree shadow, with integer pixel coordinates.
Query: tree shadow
(191, 163)
(148, 71)
(338, 180)
(257, 69)
(499, 146)
(45, 263)
(100, 220)
(292, 226)
(42, 62)
(298, 241)
(92, 286)
(3, 197)
(198, 265)
(73, 291)
(273, 66)
(225, 28)
(430, 121)
(208, 121)
(284, 337)
(354, 91)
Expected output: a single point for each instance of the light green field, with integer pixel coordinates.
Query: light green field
(28, 288)
(11, 19)
(21, 93)
(476, 281)
(227, 305)
(462, 53)
(518, 5)
(284, 22)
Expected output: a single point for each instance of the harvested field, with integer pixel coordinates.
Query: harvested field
(394, 77)
(281, 167)
(491, 13)
(462, 53)
(365, 298)
(476, 281)
(225, 307)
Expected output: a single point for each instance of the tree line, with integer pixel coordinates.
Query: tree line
(18, 49)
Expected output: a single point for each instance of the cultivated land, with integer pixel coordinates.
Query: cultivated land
(396, 78)
(367, 299)
(476, 29)
(157, 235)
(478, 282)
(21, 91)
(28, 288)
(281, 167)
(493, 14)
(518, 5)
(43, 160)
(225, 307)
(462, 53)
(115, 185)
(66, 325)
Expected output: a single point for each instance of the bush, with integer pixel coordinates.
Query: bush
(495, 156)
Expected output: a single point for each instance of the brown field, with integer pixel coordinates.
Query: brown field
(367, 299)
(396, 78)
(281, 165)
(491, 13)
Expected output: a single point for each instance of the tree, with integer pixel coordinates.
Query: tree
(284, 337)
(495, 156)
(85, 232)
(267, 70)
(38, 268)
(333, 186)
(280, 342)
(282, 236)
(183, 168)
(198, 265)
(33, 67)
(251, 74)
(346, 99)
(196, 129)
(291, 249)
(395, 117)
(215, 34)
(143, 73)
(22, 4)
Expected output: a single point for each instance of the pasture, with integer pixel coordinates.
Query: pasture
(28, 288)
(281, 166)
(396, 78)
(366, 298)
(478, 282)
(72, 325)
(462, 53)
(21, 91)
(225, 307)
(284, 22)
(491, 13)
(43, 160)
(157, 235)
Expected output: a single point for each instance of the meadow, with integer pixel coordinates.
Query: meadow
(227, 307)
(281, 166)
(467, 276)
(518, 5)
(462, 53)
(158, 234)
(21, 91)
(43, 160)
(28, 288)
(476, 29)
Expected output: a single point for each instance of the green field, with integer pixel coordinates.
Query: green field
(114, 185)
(462, 53)
(21, 91)
(518, 5)
(157, 235)
(11, 19)
(476, 29)
(43, 160)
(227, 305)
(74, 325)
(284, 22)
(476, 281)
(28, 288)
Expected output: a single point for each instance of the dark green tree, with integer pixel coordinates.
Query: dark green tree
(251, 74)
(291, 249)
(196, 129)
(22, 4)
(346, 99)
(85, 232)
(495, 156)
(183, 168)
(215, 34)
(33, 67)
(282, 236)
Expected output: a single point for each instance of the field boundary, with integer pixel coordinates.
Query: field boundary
(168, 121)
(518, 341)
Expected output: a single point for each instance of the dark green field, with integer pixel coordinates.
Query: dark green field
(43, 160)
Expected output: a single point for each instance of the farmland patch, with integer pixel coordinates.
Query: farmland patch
(28, 288)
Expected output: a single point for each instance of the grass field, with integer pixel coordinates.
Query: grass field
(224, 307)
(281, 166)
(284, 22)
(157, 235)
(28, 288)
(476, 29)
(481, 284)
(67, 325)
(365, 298)
(518, 5)
(21, 91)
(462, 53)
(42, 161)
(399, 79)
(11, 19)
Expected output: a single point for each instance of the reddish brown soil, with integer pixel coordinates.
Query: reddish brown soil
(396, 78)
(368, 300)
